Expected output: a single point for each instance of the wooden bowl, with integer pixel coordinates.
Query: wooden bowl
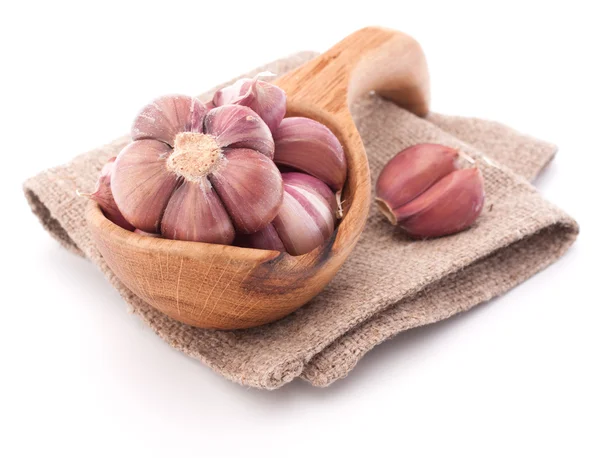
(226, 287)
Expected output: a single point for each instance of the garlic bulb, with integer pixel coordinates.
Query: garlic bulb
(305, 220)
(309, 146)
(103, 195)
(266, 99)
(196, 174)
(422, 191)
(206, 172)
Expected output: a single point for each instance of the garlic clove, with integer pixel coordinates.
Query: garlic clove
(310, 147)
(310, 185)
(166, 116)
(104, 197)
(266, 99)
(306, 218)
(449, 206)
(411, 172)
(141, 183)
(195, 213)
(236, 126)
(250, 187)
(265, 239)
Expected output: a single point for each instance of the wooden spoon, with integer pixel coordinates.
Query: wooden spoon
(226, 287)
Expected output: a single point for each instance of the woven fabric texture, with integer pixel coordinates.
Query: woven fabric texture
(390, 283)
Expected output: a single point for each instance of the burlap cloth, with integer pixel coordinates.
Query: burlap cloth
(389, 283)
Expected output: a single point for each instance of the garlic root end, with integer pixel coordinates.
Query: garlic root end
(385, 209)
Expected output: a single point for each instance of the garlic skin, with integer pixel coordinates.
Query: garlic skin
(234, 126)
(142, 185)
(197, 174)
(208, 220)
(306, 218)
(449, 206)
(104, 197)
(412, 171)
(264, 98)
(250, 187)
(309, 146)
(265, 239)
(168, 115)
(425, 195)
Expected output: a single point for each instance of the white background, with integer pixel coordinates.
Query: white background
(79, 376)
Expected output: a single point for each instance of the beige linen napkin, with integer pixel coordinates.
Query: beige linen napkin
(389, 283)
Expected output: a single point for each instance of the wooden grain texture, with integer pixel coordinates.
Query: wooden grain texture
(225, 287)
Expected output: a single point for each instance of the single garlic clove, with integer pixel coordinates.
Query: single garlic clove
(195, 213)
(412, 171)
(306, 218)
(166, 116)
(104, 197)
(265, 239)
(310, 147)
(236, 126)
(250, 187)
(141, 183)
(449, 206)
(308, 184)
(266, 99)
